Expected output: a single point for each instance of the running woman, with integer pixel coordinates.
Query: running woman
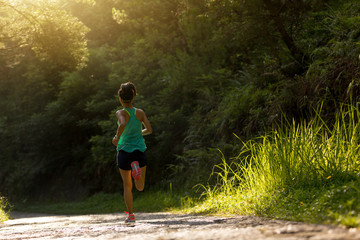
(131, 158)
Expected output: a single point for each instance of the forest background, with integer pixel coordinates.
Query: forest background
(210, 75)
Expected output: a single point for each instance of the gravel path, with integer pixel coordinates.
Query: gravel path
(164, 226)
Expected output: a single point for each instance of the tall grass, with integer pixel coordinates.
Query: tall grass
(287, 170)
(305, 154)
(3, 213)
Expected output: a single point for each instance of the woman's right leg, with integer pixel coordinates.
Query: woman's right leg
(127, 182)
(140, 184)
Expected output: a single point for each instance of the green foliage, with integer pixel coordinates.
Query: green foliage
(3, 210)
(52, 33)
(298, 172)
(332, 76)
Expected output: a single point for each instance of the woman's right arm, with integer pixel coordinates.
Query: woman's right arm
(121, 127)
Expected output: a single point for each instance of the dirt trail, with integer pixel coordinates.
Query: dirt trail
(164, 226)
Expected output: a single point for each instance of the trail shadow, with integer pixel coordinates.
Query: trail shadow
(160, 219)
(182, 222)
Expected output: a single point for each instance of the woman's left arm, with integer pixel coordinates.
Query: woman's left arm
(148, 129)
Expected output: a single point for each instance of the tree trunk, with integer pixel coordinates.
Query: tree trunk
(275, 15)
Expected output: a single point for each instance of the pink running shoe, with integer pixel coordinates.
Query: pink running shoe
(136, 170)
(130, 218)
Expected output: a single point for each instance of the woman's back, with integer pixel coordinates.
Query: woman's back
(132, 139)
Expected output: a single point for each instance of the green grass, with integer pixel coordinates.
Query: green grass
(148, 201)
(305, 172)
(3, 212)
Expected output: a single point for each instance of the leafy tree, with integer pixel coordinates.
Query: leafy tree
(38, 42)
(50, 32)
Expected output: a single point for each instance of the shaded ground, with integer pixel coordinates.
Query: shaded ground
(164, 226)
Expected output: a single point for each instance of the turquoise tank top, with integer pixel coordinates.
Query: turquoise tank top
(132, 139)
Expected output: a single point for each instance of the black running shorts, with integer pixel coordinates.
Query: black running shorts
(124, 159)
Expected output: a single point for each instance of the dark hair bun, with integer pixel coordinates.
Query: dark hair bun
(127, 91)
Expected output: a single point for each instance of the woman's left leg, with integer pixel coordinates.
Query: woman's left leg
(127, 182)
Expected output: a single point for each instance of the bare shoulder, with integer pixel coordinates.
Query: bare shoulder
(120, 112)
(140, 110)
(140, 114)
